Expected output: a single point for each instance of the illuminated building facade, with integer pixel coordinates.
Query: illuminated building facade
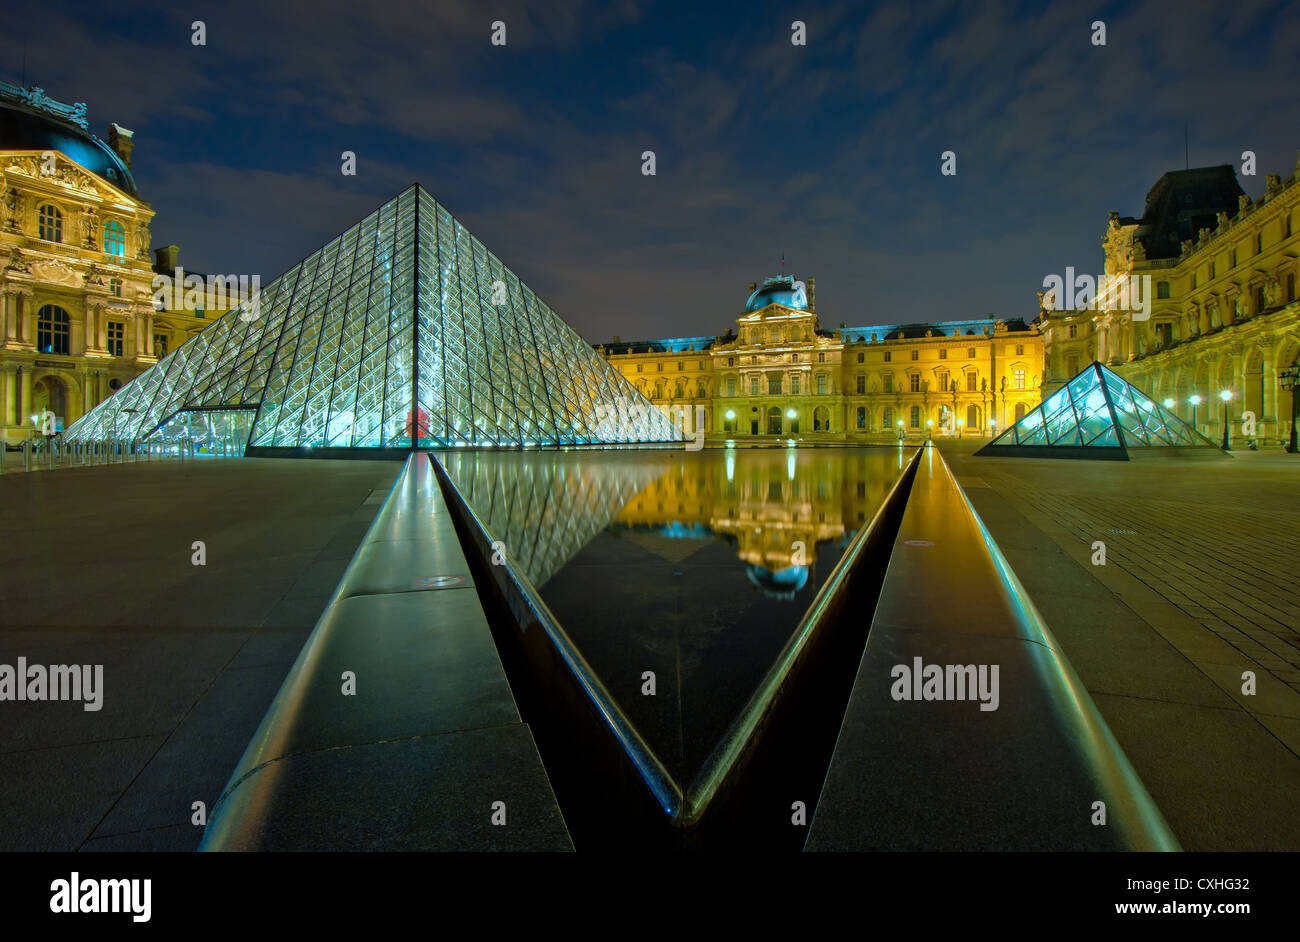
(779, 376)
(1224, 315)
(77, 318)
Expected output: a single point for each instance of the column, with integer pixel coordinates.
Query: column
(10, 406)
(88, 391)
(148, 332)
(1270, 392)
(91, 309)
(26, 319)
(6, 316)
(25, 402)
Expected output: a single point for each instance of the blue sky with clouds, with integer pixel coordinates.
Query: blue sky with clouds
(828, 153)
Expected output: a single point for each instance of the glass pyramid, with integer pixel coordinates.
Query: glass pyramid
(404, 332)
(1096, 414)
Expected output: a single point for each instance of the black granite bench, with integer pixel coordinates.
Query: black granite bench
(944, 774)
(430, 752)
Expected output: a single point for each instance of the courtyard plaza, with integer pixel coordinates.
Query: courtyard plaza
(1197, 587)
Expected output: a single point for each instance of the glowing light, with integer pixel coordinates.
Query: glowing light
(1195, 400)
(1226, 395)
(1169, 403)
(731, 413)
(790, 413)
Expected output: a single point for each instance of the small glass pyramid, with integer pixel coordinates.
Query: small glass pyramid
(404, 332)
(1096, 414)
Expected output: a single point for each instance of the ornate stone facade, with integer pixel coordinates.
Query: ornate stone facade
(780, 377)
(77, 317)
(1224, 313)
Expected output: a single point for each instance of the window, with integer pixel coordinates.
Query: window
(916, 354)
(774, 385)
(50, 224)
(638, 367)
(659, 389)
(1259, 298)
(794, 385)
(915, 380)
(753, 385)
(731, 361)
(53, 328)
(1232, 259)
(701, 364)
(114, 238)
(861, 384)
(1020, 349)
(160, 345)
(1020, 411)
(731, 385)
(821, 384)
(1213, 269)
(680, 366)
(1259, 242)
(1072, 366)
(660, 366)
(916, 416)
(943, 381)
(794, 358)
(888, 355)
(862, 357)
(1162, 289)
(887, 418)
(1290, 288)
(1074, 331)
(971, 379)
(1020, 379)
(680, 392)
(943, 354)
(115, 287)
(888, 382)
(970, 353)
(699, 390)
(821, 358)
(116, 334)
(862, 418)
(1164, 335)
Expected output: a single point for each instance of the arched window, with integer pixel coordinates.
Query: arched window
(53, 328)
(699, 392)
(821, 419)
(774, 421)
(50, 226)
(114, 238)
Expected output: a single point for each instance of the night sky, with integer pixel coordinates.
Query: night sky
(828, 154)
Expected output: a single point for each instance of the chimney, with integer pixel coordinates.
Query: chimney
(812, 294)
(166, 258)
(121, 140)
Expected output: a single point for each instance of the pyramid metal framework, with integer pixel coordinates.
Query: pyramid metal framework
(1097, 414)
(404, 332)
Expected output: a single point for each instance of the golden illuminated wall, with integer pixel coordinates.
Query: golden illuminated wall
(1230, 320)
(779, 362)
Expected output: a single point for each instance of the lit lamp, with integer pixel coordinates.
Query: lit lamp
(900, 431)
(1290, 379)
(929, 431)
(1226, 396)
(1194, 401)
(1169, 403)
(959, 425)
(993, 424)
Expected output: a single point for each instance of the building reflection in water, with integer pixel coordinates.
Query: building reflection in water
(694, 566)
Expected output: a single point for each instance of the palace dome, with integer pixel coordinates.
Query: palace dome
(779, 290)
(25, 128)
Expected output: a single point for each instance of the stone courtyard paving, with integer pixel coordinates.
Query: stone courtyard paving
(1199, 586)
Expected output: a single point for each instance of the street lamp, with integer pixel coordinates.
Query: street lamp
(929, 431)
(1226, 396)
(959, 425)
(1290, 379)
(1194, 401)
(1169, 403)
(993, 424)
(900, 431)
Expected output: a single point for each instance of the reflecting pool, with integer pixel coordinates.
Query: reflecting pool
(693, 566)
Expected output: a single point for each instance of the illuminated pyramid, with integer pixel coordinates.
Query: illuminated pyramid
(1097, 414)
(404, 332)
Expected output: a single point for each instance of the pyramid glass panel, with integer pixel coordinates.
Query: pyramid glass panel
(404, 331)
(1097, 409)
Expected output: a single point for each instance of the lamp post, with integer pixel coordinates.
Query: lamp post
(900, 431)
(929, 431)
(1226, 396)
(993, 425)
(959, 425)
(1169, 403)
(1290, 379)
(1195, 401)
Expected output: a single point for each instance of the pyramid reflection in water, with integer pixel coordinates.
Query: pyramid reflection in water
(402, 332)
(1097, 414)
